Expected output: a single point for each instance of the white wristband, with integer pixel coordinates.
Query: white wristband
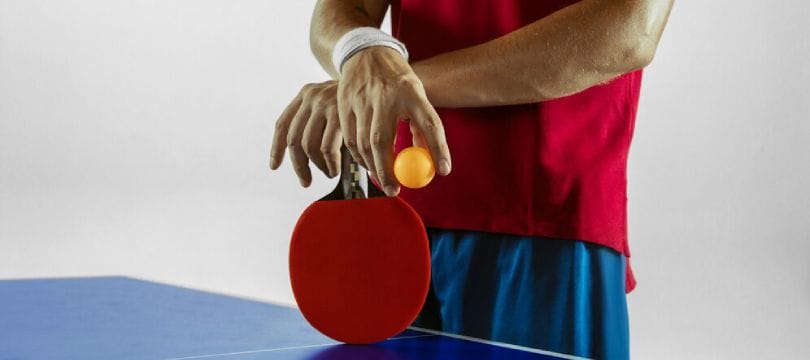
(361, 38)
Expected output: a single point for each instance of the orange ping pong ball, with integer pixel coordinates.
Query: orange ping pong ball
(413, 167)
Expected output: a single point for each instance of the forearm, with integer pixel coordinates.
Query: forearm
(580, 46)
(333, 18)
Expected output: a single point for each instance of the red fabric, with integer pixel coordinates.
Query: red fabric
(360, 269)
(554, 169)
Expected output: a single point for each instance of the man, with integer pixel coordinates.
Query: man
(537, 101)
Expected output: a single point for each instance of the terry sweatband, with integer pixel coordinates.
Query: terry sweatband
(361, 38)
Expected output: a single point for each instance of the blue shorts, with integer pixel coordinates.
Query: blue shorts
(556, 295)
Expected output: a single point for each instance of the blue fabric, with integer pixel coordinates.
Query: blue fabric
(557, 295)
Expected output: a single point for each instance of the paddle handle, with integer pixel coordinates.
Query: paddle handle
(350, 176)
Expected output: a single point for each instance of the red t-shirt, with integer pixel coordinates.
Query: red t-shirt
(553, 169)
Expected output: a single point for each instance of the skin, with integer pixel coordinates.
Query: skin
(541, 61)
(309, 127)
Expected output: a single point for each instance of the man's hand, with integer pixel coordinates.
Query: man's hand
(376, 90)
(310, 128)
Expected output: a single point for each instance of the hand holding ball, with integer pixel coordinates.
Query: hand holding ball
(413, 167)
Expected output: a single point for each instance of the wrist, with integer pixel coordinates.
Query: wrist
(360, 39)
(376, 61)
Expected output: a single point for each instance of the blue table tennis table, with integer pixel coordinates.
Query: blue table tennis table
(125, 318)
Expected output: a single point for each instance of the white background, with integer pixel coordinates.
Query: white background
(134, 138)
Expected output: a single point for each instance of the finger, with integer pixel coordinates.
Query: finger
(416, 136)
(332, 140)
(348, 129)
(301, 166)
(313, 136)
(374, 179)
(430, 127)
(364, 138)
(383, 128)
(280, 134)
(298, 157)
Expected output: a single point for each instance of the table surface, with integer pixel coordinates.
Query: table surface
(125, 318)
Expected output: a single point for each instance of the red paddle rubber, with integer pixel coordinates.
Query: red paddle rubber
(360, 269)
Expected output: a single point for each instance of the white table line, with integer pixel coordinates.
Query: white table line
(282, 348)
(499, 344)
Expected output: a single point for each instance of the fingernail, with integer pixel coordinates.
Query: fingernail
(444, 167)
(272, 162)
(391, 190)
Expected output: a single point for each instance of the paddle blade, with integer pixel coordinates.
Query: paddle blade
(360, 269)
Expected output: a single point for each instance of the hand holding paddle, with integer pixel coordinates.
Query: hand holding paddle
(359, 267)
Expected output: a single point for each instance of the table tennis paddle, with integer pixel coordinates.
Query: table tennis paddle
(359, 266)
